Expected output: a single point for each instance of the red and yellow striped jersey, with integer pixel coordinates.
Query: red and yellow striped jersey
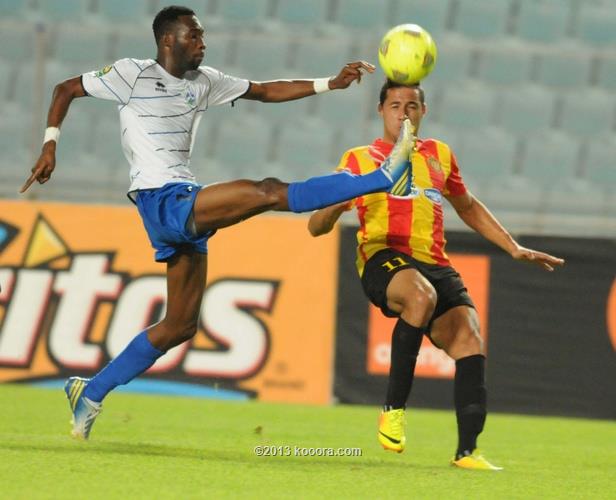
(411, 225)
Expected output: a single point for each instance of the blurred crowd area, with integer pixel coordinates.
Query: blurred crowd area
(523, 91)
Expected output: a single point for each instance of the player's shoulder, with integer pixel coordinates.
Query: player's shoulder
(431, 142)
(358, 149)
(132, 66)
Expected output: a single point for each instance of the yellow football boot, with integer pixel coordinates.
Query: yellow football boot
(474, 461)
(391, 430)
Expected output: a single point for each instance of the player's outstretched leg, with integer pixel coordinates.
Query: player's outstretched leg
(394, 176)
(84, 410)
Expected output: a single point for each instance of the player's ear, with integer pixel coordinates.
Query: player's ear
(379, 109)
(167, 39)
(424, 109)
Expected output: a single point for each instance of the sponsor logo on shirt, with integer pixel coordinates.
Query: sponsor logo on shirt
(434, 164)
(160, 87)
(103, 71)
(434, 195)
(190, 97)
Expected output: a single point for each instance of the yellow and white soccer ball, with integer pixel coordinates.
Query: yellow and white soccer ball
(407, 54)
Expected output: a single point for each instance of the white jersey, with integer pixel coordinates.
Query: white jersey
(159, 114)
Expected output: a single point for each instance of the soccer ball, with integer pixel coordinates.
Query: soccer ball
(407, 54)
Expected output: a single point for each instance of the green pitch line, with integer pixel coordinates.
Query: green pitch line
(166, 447)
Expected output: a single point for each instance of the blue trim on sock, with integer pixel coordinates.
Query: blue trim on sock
(136, 358)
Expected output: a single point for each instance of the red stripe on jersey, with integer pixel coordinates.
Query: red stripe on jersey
(352, 164)
(438, 231)
(400, 221)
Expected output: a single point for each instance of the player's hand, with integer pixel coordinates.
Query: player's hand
(41, 172)
(351, 72)
(547, 261)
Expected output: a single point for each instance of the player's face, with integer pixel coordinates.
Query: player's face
(401, 102)
(189, 47)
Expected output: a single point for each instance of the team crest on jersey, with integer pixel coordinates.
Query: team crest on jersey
(434, 164)
(103, 71)
(190, 97)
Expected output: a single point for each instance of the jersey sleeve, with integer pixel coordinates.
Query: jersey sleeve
(454, 186)
(113, 83)
(223, 88)
(349, 163)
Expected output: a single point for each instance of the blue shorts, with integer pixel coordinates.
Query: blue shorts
(164, 212)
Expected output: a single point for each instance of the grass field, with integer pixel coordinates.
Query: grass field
(164, 447)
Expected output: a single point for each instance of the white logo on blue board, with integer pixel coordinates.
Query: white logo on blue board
(434, 195)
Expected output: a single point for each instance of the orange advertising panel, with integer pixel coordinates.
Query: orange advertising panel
(611, 315)
(78, 282)
(431, 362)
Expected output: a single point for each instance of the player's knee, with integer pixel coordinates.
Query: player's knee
(424, 298)
(188, 331)
(469, 341)
(272, 190)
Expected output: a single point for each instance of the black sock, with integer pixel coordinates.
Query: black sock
(470, 401)
(405, 343)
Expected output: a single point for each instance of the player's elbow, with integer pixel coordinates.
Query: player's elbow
(69, 89)
(317, 229)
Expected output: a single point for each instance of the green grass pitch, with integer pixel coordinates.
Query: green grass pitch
(166, 447)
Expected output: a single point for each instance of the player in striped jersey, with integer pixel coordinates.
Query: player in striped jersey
(405, 270)
(161, 102)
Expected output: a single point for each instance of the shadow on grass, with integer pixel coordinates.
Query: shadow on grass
(161, 450)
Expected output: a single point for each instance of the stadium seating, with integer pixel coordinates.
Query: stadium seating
(89, 47)
(466, 106)
(588, 113)
(19, 43)
(255, 137)
(600, 163)
(258, 57)
(12, 8)
(121, 11)
(486, 155)
(482, 18)
(556, 65)
(315, 58)
(302, 14)
(525, 109)
(431, 14)
(345, 109)
(454, 60)
(306, 150)
(67, 11)
(519, 87)
(505, 64)
(138, 45)
(247, 12)
(551, 156)
(362, 15)
(597, 24)
(543, 20)
(606, 77)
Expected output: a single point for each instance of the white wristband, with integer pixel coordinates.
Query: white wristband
(51, 134)
(321, 85)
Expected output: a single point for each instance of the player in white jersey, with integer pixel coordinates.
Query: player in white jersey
(160, 102)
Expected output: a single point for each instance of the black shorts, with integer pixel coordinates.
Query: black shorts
(384, 264)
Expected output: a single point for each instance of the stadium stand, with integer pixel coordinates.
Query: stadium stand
(522, 91)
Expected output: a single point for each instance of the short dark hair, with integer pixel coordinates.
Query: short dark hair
(166, 18)
(389, 84)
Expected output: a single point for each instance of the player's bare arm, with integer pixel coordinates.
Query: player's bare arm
(63, 95)
(323, 221)
(288, 90)
(477, 216)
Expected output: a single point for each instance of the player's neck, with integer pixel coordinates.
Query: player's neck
(171, 66)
